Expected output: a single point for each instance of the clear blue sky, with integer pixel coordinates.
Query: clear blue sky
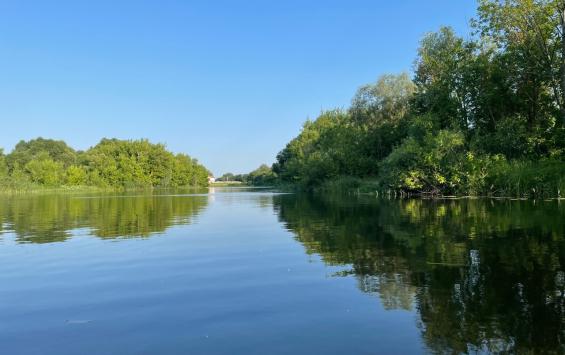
(228, 82)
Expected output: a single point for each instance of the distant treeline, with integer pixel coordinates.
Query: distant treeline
(112, 163)
(480, 116)
(261, 176)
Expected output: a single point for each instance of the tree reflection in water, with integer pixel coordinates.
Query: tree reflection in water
(482, 275)
(52, 218)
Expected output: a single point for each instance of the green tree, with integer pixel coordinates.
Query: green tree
(44, 170)
(76, 175)
(24, 152)
(475, 109)
(261, 176)
(440, 77)
(227, 177)
(111, 163)
(435, 164)
(380, 113)
(531, 35)
(317, 153)
(141, 163)
(188, 172)
(385, 101)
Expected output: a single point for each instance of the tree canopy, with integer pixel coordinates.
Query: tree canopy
(481, 115)
(111, 163)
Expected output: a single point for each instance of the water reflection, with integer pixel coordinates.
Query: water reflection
(482, 275)
(52, 218)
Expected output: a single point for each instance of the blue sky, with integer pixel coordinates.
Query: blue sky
(228, 82)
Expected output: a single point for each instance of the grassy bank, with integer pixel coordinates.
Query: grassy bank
(45, 190)
(10, 189)
(227, 184)
(519, 179)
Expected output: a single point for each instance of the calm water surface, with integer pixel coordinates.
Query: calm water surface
(245, 271)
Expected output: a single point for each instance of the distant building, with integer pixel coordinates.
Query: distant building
(211, 179)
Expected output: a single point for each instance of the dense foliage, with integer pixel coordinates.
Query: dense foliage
(484, 115)
(111, 163)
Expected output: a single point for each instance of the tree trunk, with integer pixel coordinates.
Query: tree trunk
(562, 66)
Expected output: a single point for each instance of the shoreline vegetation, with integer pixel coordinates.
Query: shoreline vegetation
(355, 186)
(50, 165)
(480, 116)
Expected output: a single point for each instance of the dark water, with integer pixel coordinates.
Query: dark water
(253, 271)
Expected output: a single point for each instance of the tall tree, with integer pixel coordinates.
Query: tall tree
(532, 33)
(387, 100)
(443, 59)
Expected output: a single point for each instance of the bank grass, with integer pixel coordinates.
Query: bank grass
(38, 189)
(31, 188)
(227, 184)
(509, 179)
(528, 179)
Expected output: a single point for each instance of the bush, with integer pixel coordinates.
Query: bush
(76, 176)
(45, 171)
(436, 164)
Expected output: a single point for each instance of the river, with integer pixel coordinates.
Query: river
(244, 271)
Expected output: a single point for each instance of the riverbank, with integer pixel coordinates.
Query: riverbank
(227, 184)
(520, 182)
(39, 189)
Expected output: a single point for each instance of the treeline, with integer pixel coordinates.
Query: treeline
(480, 116)
(112, 163)
(262, 176)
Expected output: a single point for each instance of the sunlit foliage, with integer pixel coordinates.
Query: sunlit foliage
(477, 113)
(111, 163)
